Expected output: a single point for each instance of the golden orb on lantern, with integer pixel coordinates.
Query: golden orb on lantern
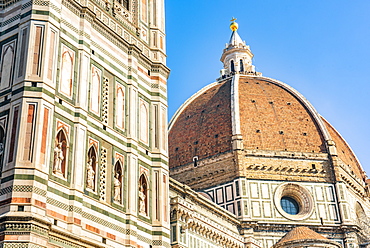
(234, 26)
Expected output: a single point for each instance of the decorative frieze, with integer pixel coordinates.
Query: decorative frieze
(105, 101)
(103, 174)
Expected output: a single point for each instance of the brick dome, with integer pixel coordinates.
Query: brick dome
(264, 114)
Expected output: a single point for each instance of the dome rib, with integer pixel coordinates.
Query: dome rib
(304, 101)
(344, 151)
(269, 124)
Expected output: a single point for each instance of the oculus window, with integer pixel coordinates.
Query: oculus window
(289, 205)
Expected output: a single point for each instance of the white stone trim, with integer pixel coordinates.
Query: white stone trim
(235, 110)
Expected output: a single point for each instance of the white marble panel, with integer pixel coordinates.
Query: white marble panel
(332, 212)
(254, 190)
(265, 191)
(330, 194)
(256, 209)
(229, 193)
(322, 211)
(319, 193)
(220, 196)
(267, 209)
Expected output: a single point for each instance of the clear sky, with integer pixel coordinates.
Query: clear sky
(321, 48)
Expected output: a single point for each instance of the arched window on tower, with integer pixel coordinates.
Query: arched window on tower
(120, 108)
(118, 183)
(143, 195)
(7, 65)
(91, 168)
(144, 122)
(241, 66)
(60, 153)
(66, 76)
(2, 147)
(232, 66)
(95, 86)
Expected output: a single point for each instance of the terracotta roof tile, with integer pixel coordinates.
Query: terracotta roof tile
(204, 127)
(272, 118)
(300, 233)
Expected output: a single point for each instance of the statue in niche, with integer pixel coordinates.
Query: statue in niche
(142, 197)
(1, 149)
(58, 158)
(90, 174)
(117, 188)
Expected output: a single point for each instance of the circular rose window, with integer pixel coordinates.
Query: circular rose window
(293, 201)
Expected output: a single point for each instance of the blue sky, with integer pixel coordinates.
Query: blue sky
(321, 48)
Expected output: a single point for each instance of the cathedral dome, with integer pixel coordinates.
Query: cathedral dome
(266, 114)
(263, 117)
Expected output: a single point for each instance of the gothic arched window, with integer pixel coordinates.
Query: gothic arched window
(120, 109)
(232, 67)
(241, 66)
(7, 66)
(144, 123)
(91, 168)
(66, 75)
(60, 153)
(2, 146)
(118, 183)
(143, 195)
(95, 90)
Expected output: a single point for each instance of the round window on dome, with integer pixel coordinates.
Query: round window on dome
(293, 201)
(289, 205)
